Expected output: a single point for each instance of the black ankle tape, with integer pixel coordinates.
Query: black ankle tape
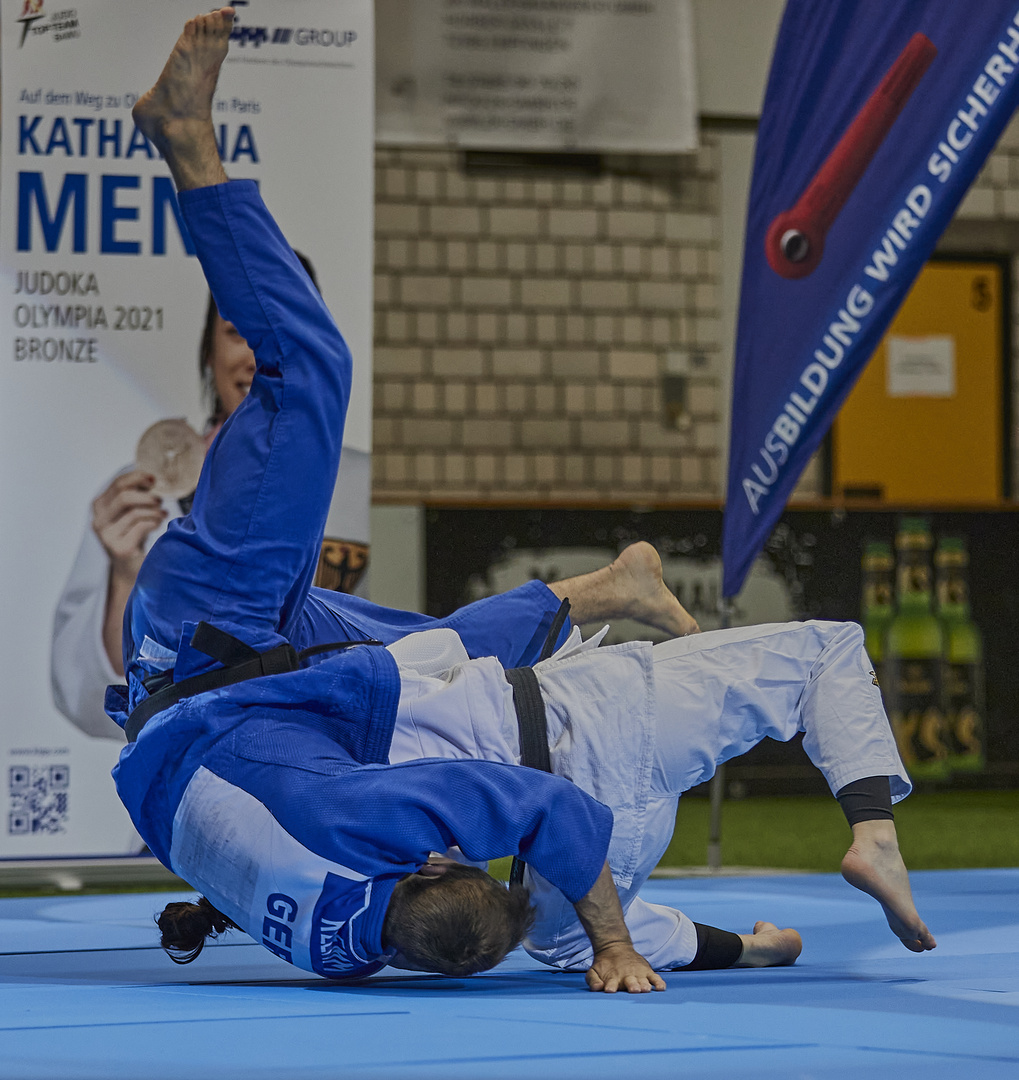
(869, 799)
(715, 949)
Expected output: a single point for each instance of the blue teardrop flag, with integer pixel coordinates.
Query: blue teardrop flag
(877, 117)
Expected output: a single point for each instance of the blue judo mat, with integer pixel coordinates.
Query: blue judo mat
(85, 992)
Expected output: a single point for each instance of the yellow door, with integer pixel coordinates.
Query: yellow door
(925, 422)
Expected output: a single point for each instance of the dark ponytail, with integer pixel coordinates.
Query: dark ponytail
(185, 926)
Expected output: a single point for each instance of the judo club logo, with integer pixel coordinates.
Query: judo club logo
(60, 26)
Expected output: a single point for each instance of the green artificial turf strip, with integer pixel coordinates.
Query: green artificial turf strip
(105, 889)
(937, 831)
(953, 830)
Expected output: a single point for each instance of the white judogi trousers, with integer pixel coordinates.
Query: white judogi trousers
(636, 725)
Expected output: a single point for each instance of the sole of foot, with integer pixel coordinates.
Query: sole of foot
(184, 90)
(652, 602)
(876, 868)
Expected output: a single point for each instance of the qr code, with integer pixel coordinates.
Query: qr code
(38, 799)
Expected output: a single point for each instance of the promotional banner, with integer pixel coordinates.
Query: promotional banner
(103, 321)
(584, 75)
(876, 119)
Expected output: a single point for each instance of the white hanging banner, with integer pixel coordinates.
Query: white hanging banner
(594, 75)
(100, 328)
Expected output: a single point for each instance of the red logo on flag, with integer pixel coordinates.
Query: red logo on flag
(795, 240)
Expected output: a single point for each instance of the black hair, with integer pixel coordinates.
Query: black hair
(185, 926)
(205, 373)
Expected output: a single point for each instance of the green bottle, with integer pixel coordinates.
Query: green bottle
(913, 650)
(962, 669)
(877, 607)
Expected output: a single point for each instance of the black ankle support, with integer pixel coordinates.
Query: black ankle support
(715, 949)
(869, 799)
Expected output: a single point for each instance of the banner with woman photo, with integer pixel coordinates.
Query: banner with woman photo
(113, 368)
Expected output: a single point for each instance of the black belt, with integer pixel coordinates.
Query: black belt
(531, 720)
(240, 662)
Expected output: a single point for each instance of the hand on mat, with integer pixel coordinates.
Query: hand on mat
(617, 964)
(620, 967)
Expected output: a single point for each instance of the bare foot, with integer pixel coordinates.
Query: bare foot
(873, 865)
(768, 946)
(176, 114)
(639, 572)
(631, 587)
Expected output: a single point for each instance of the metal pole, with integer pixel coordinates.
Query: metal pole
(717, 786)
(717, 790)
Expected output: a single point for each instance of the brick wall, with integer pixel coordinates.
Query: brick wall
(523, 327)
